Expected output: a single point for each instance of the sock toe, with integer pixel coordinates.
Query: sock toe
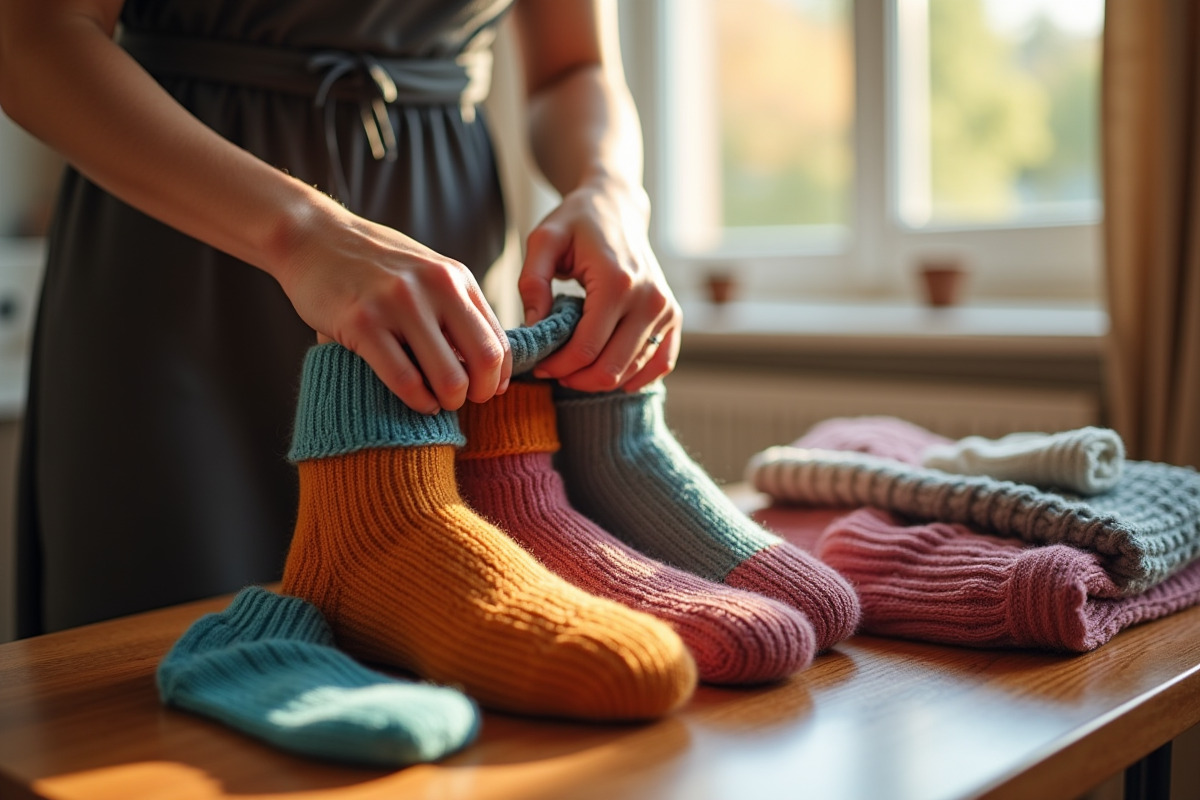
(746, 639)
(621, 666)
(786, 573)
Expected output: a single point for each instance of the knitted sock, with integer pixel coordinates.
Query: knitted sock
(267, 666)
(506, 475)
(945, 583)
(624, 469)
(1087, 461)
(407, 575)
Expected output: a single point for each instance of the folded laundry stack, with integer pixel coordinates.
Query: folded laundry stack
(972, 559)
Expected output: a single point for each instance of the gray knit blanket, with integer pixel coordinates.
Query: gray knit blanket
(1146, 528)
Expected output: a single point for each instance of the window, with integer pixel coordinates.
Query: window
(824, 147)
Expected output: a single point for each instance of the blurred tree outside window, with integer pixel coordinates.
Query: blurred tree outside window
(780, 134)
(1012, 107)
(786, 111)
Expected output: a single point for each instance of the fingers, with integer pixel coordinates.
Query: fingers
(608, 349)
(659, 363)
(591, 338)
(506, 362)
(484, 348)
(435, 344)
(387, 358)
(544, 250)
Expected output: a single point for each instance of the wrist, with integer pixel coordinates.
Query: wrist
(626, 191)
(304, 213)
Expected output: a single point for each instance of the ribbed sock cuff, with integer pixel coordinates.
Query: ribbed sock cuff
(519, 421)
(256, 615)
(343, 407)
(261, 614)
(573, 397)
(532, 344)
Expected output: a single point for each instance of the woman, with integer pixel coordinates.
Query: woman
(195, 250)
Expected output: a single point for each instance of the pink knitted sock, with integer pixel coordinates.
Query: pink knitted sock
(886, 437)
(505, 474)
(945, 583)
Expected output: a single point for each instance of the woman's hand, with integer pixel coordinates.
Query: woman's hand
(629, 335)
(416, 317)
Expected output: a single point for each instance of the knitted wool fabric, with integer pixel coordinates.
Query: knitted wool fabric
(267, 666)
(944, 583)
(886, 437)
(624, 470)
(533, 343)
(409, 576)
(1086, 461)
(505, 474)
(1145, 529)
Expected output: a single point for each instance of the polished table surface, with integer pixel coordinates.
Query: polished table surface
(875, 718)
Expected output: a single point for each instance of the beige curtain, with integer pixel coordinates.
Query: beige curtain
(1151, 164)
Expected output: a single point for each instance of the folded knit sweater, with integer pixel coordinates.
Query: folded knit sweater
(1145, 529)
(944, 583)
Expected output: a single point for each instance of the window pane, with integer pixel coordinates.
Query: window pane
(1004, 128)
(760, 104)
(787, 102)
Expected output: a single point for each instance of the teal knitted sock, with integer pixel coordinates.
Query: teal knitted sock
(624, 470)
(268, 667)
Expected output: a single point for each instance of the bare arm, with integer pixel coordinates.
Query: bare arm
(587, 140)
(366, 286)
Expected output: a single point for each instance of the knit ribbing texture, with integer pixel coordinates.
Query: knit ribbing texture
(1086, 461)
(533, 343)
(344, 407)
(624, 469)
(410, 577)
(944, 583)
(1145, 529)
(267, 666)
(505, 473)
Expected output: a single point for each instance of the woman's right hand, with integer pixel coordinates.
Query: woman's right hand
(416, 317)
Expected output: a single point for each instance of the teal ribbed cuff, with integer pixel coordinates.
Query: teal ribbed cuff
(343, 407)
(530, 345)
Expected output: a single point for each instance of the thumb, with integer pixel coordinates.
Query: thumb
(543, 252)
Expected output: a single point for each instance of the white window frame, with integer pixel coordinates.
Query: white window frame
(877, 260)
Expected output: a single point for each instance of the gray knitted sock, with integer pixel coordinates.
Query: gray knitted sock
(624, 470)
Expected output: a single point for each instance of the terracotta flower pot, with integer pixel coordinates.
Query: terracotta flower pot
(942, 282)
(721, 287)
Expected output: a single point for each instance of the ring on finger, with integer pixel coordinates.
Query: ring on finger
(654, 340)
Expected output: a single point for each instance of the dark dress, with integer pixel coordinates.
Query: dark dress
(164, 372)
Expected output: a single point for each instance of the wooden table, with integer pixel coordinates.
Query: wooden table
(876, 718)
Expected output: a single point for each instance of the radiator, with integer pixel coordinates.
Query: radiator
(722, 418)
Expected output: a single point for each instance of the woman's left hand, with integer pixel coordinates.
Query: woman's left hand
(629, 334)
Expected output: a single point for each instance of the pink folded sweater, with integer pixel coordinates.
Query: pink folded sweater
(944, 583)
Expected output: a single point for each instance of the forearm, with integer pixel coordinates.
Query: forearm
(583, 125)
(63, 79)
(584, 128)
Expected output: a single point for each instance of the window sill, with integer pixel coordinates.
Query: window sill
(994, 330)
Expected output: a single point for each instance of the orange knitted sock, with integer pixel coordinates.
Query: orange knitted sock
(408, 575)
